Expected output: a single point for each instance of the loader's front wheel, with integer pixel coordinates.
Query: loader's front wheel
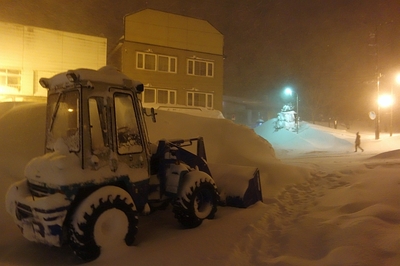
(197, 201)
(106, 217)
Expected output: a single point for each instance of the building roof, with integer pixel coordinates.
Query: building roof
(171, 30)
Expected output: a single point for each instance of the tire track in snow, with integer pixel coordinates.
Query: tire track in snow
(266, 240)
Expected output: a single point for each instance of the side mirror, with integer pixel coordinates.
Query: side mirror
(152, 114)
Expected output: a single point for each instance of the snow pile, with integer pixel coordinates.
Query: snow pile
(22, 137)
(324, 205)
(225, 142)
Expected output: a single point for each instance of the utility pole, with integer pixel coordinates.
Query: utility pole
(378, 115)
(391, 111)
(378, 76)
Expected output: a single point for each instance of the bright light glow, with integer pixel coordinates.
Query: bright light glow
(8, 90)
(385, 100)
(288, 91)
(398, 78)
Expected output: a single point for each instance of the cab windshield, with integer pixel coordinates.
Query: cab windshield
(63, 120)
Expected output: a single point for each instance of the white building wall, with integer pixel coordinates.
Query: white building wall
(40, 52)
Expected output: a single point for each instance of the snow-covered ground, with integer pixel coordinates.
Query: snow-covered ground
(323, 204)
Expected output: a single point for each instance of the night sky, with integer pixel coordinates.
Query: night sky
(329, 51)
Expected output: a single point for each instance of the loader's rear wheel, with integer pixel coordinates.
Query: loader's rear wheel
(107, 217)
(199, 203)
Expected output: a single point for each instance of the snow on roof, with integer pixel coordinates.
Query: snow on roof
(106, 74)
(192, 110)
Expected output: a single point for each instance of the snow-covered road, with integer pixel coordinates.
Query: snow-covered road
(320, 208)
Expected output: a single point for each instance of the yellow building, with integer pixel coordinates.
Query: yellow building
(179, 59)
(29, 53)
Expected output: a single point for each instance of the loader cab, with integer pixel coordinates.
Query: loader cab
(100, 120)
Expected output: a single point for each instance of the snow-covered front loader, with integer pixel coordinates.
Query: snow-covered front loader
(99, 168)
(237, 185)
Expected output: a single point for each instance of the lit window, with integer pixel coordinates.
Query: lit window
(10, 78)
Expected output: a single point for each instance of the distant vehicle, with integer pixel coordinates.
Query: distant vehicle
(100, 167)
(259, 122)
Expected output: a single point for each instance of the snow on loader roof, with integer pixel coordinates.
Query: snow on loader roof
(106, 74)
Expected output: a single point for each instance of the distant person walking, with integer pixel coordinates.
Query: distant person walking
(358, 142)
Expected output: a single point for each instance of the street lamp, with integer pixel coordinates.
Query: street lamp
(289, 91)
(386, 101)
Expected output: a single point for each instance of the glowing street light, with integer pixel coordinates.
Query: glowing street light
(289, 91)
(397, 78)
(385, 100)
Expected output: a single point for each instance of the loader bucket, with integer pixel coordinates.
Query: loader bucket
(239, 186)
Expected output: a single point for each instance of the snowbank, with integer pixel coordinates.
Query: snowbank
(325, 205)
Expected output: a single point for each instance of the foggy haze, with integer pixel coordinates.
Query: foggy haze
(329, 51)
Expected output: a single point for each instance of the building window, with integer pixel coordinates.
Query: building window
(10, 78)
(155, 62)
(146, 61)
(200, 68)
(149, 95)
(166, 63)
(159, 96)
(200, 99)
